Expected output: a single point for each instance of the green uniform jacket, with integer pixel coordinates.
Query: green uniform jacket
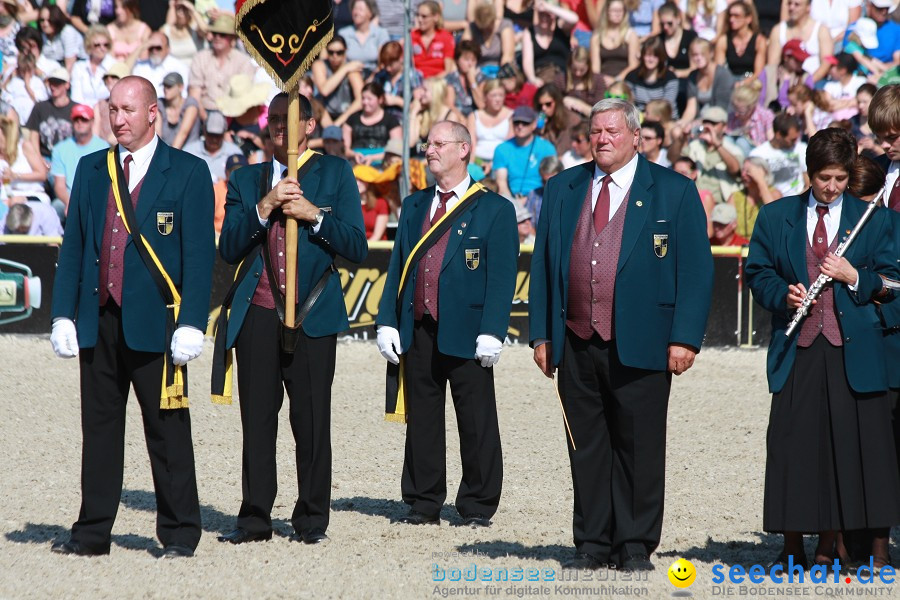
(778, 258)
(659, 300)
(330, 185)
(176, 182)
(471, 301)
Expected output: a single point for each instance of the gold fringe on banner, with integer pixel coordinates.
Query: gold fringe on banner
(313, 54)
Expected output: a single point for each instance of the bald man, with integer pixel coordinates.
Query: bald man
(114, 310)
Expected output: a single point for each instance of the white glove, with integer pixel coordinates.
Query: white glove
(64, 338)
(389, 344)
(487, 350)
(187, 343)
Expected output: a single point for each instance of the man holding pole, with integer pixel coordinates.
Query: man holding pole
(261, 203)
(621, 284)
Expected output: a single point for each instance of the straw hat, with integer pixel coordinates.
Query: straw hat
(242, 95)
(223, 24)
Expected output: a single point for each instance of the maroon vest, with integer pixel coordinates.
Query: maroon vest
(428, 271)
(112, 249)
(822, 317)
(593, 261)
(263, 294)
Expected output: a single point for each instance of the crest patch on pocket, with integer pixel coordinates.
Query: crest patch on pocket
(473, 258)
(660, 244)
(165, 222)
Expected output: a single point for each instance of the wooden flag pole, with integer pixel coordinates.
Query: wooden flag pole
(290, 236)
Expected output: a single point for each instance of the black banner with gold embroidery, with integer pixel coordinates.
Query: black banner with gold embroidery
(285, 36)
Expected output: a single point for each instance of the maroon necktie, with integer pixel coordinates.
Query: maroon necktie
(127, 168)
(820, 234)
(894, 200)
(601, 209)
(441, 209)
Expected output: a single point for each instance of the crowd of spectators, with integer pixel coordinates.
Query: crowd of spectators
(729, 90)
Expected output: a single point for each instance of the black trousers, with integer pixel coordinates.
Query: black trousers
(424, 481)
(264, 372)
(618, 419)
(107, 370)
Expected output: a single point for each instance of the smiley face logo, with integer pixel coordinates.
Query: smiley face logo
(682, 573)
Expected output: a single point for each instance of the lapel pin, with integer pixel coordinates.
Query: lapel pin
(639, 203)
(847, 232)
(459, 232)
(463, 224)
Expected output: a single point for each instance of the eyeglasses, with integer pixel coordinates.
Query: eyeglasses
(616, 96)
(102, 45)
(155, 48)
(336, 52)
(521, 123)
(423, 147)
(546, 104)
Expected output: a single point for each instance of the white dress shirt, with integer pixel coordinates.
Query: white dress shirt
(459, 191)
(140, 162)
(832, 217)
(891, 181)
(618, 189)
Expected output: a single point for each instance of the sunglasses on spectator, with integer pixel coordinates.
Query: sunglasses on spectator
(617, 96)
(155, 48)
(522, 123)
(335, 52)
(101, 44)
(546, 104)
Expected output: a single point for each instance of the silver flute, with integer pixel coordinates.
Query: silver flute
(822, 280)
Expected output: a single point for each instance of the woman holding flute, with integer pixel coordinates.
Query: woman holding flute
(830, 461)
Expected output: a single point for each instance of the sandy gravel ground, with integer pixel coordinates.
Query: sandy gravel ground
(716, 454)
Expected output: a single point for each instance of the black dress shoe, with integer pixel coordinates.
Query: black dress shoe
(74, 548)
(176, 551)
(584, 561)
(637, 562)
(241, 535)
(416, 518)
(476, 520)
(314, 536)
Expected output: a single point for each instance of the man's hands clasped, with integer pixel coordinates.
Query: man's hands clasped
(288, 196)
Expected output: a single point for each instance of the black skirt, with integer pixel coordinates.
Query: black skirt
(831, 462)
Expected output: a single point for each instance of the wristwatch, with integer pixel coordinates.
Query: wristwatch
(320, 216)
